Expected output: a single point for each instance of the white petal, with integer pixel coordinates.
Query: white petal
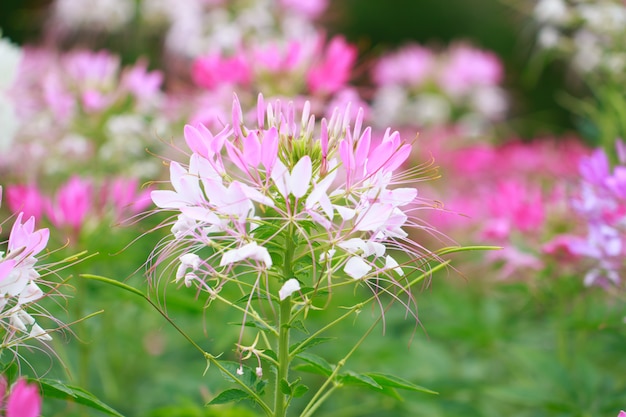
(357, 268)
(391, 263)
(300, 177)
(249, 251)
(345, 212)
(288, 288)
(40, 333)
(354, 246)
(281, 178)
(30, 293)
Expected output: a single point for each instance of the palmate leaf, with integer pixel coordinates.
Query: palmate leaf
(56, 389)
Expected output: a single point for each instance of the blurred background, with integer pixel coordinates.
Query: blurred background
(529, 160)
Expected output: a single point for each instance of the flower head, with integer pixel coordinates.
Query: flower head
(290, 203)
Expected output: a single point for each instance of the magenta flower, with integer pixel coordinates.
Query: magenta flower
(333, 71)
(410, 65)
(310, 9)
(213, 70)
(71, 204)
(26, 199)
(467, 68)
(24, 400)
(125, 198)
(140, 83)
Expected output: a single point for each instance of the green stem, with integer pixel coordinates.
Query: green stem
(318, 398)
(284, 323)
(283, 357)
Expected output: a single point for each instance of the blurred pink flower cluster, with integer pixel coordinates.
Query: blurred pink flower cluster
(80, 203)
(82, 109)
(313, 69)
(600, 205)
(419, 87)
(514, 195)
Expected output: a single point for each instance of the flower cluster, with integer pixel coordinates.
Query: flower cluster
(80, 203)
(419, 87)
(312, 69)
(512, 195)
(294, 203)
(19, 279)
(588, 33)
(601, 205)
(82, 111)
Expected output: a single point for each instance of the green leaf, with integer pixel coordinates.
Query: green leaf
(300, 390)
(308, 343)
(228, 396)
(352, 378)
(56, 389)
(285, 388)
(299, 325)
(316, 364)
(391, 381)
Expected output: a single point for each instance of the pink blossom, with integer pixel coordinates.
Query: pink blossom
(71, 204)
(310, 8)
(123, 195)
(467, 68)
(410, 65)
(622, 413)
(273, 58)
(334, 68)
(519, 205)
(24, 400)
(212, 70)
(595, 168)
(139, 82)
(26, 199)
(91, 69)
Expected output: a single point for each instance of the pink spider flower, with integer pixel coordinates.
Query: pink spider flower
(141, 83)
(125, 199)
(467, 68)
(333, 70)
(27, 199)
(72, 204)
(411, 65)
(24, 400)
(19, 282)
(309, 9)
(215, 69)
(289, 198)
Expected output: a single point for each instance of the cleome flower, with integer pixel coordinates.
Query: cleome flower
(302, 206)
(19, 288)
